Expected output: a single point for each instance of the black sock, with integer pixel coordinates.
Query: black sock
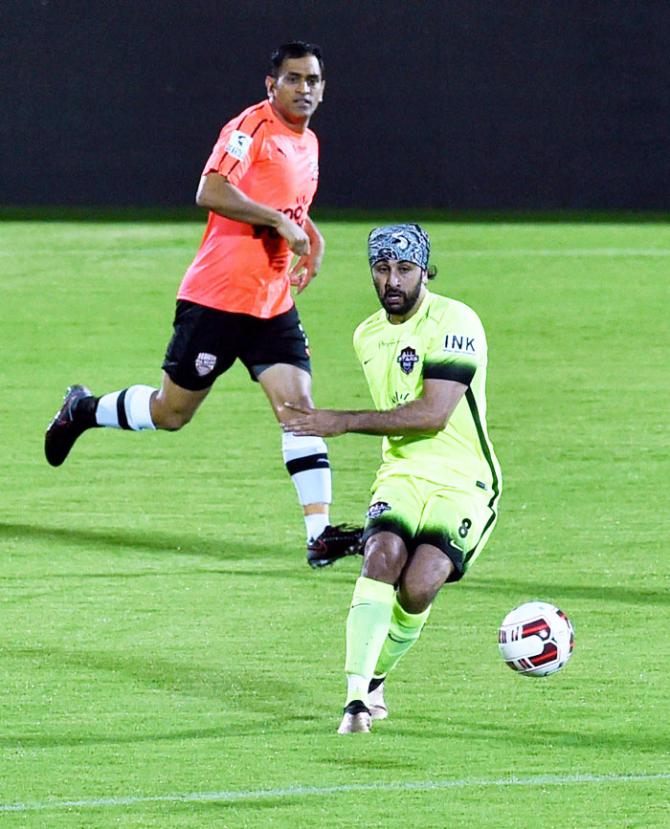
(375, 682)
(84, 411)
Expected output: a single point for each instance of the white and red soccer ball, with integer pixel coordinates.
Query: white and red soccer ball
(536, 639)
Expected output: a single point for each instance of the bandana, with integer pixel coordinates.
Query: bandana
(408, 243)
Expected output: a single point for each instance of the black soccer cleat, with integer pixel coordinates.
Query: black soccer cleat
(333, 543)
(68, 423)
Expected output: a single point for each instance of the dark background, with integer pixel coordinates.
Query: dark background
(451, 105)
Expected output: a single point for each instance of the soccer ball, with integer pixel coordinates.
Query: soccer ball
(536, 639)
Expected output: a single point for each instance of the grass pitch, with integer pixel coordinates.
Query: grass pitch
(170, 661)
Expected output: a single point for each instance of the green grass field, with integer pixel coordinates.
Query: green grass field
(168, 658)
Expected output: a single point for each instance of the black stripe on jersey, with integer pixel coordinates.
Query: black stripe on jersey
(237, 161)
(486, 449)
(383, 524)
(459, 372)
(250, 112)
(121, 410)
(319, 460)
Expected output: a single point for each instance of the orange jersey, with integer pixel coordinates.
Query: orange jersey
(239, 267)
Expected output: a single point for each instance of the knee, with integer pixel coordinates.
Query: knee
(385, 557)
(171, 420)
(415, 600)
(423, 579)
(283, 413)
(305, 401)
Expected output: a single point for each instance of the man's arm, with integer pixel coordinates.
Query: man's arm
(428, 414)
(307, 267)
(217, 194)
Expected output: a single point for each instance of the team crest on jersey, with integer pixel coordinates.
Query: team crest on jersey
(377, 509)
(238, 144)
(407, 359)
(204, 363)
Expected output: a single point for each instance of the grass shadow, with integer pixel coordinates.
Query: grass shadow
(147, 541)
(528, 590)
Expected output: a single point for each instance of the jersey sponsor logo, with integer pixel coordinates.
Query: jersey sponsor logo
(460, 344)
(377, 509)
(204, 363)
(296, 214)
(407, 359)
(238, 144)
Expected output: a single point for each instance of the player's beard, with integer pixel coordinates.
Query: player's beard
(409, 300)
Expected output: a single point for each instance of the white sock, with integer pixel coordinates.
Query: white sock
(126, 409)
(315, 524)
(306, 460)
(357, 688)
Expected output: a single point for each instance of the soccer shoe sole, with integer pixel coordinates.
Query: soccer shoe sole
(316, 563)
(62, 432)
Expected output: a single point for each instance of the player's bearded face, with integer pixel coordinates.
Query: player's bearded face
(399, 286)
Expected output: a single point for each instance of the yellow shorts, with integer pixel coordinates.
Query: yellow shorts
(457, 521)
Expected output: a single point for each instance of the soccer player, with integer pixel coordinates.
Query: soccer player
(235, 299)
(435, 497)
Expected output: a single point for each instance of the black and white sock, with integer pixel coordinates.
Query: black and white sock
(126, 409)
(306, 460)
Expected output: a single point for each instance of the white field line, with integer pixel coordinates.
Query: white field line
(321, 791)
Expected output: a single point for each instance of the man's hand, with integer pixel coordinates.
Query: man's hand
(307, 267)
(296, 238)
(324, 423)
(304, 270)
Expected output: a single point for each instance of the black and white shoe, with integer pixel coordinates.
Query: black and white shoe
(356, 719)
(68, 423)
(333, 543)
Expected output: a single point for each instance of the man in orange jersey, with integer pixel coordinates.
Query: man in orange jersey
(235, 299)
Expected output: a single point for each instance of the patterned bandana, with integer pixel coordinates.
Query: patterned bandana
(408, 243)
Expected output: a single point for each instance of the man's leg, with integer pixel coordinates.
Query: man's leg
(368, 624)
(427, 570)
(306, 460)
(136, 408)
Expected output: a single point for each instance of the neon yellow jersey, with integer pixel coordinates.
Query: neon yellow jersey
(443, 340)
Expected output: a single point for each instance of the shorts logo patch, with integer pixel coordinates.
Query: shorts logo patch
(460, 344)
(204, 363)
(408, 359)
(377, 509)
(238, 144)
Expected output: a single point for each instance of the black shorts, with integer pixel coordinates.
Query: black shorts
(206, 342)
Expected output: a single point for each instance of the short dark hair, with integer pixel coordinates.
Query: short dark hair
(294, 49)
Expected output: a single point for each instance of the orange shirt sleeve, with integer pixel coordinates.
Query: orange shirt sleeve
(237, 147)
